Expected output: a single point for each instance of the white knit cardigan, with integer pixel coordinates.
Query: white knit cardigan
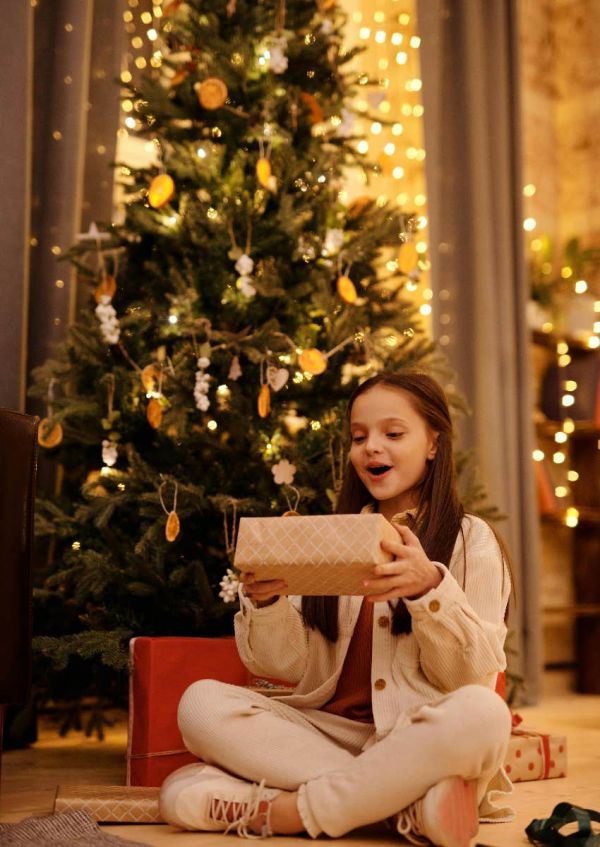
(457, 638)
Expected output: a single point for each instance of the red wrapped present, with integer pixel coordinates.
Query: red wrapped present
(534, 755)
(161, 670)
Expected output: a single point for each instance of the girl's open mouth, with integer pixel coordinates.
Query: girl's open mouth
(378, 471)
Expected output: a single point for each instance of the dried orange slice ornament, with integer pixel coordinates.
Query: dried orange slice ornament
(107, 287)
(312, 361)
(212, 93)
(263, 171)
(154, 413)
(161, 190)
(150, 377)
(346, 289)
(172, 527)
(407, 257)
(50, 433)
(264, 401)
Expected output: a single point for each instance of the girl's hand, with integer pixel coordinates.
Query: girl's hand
(409, 575)
(262, 592)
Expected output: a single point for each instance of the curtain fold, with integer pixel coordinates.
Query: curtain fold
(16, 49)
(469, 56)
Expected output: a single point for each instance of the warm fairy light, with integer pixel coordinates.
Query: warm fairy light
(380, 36)
(593, 342)
(596, 305)
(173, 319)
(152, 35)
(389, 149)
(140, 62)
(581, 286)
(146, 17)
(363, 146)
(76, 545)
(568, 426)
(570, 385)
(547, 326)
(596, 327)
(572, 516)
(560, 437)
(425, 309)
(529, 190)
(60, 283)
(379, 17)
(564, 360)
(421, 246)
(538, 455)
(398, 172)
(130, 122)
(529, 224)
(566, 272)
(397, 129)
(201, 153)
(212, 425)
(315, 425)
(572, 476)
(401, 57)
(567, 400)
(562, 347)
(559, 457)
(223, 391)
(364, 32)
(397, 39)
(376, 128)
(561, 491)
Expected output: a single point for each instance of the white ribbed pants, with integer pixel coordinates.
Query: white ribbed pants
(342, 787)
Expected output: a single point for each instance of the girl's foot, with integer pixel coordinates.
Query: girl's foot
(446, 816)
(202, 797)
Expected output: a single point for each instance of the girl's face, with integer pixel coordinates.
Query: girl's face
(391, 444)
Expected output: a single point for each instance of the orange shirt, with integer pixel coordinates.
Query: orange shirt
(352, 698)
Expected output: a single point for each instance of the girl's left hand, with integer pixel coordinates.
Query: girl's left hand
(410, 574)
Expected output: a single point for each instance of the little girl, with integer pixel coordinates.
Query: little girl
(394, 715)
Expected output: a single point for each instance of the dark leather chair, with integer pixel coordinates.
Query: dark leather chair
(18, 465)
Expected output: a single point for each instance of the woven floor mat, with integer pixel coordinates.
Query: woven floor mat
(72, 829)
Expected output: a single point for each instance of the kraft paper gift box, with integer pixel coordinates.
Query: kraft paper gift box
(110, 803)
(315, 554)
(535, 755)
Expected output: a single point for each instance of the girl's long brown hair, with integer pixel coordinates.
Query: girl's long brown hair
(439, 511)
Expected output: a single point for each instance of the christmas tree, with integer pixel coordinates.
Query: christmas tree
(230, 317)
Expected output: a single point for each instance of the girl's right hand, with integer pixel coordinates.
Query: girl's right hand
(263, 592)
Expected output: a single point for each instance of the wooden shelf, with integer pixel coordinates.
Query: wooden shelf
(588, 515)
(580, 610)
(551, 339)
(583, 429)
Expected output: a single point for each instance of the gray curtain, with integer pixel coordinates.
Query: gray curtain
(470, 95)
(58, 122)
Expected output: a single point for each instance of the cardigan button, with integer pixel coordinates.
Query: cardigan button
(434, 606)
(383, 621)
(380, 684)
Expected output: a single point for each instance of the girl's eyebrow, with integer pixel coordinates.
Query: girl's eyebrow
(383, 421)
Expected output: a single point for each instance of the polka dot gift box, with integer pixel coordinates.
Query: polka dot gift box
(535, 755)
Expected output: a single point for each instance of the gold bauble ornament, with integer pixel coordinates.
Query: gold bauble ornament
(172, 527)
(161, 190)
(264, 401)
(346, 289)
(154, 413)
(312, 361)
(263, 171)
(107, 287)
(407, 257)
(50, 433)
(316, 112)
(212, 93)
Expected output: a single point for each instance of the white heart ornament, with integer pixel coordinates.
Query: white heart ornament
(277, 377)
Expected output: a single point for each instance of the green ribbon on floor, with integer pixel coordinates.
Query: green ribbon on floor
(546, 830)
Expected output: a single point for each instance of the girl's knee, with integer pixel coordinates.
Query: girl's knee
(483, 707)
(200, 704)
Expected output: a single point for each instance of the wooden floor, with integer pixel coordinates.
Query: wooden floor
(30, 777)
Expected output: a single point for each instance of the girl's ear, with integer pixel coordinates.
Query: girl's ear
(434, 445)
